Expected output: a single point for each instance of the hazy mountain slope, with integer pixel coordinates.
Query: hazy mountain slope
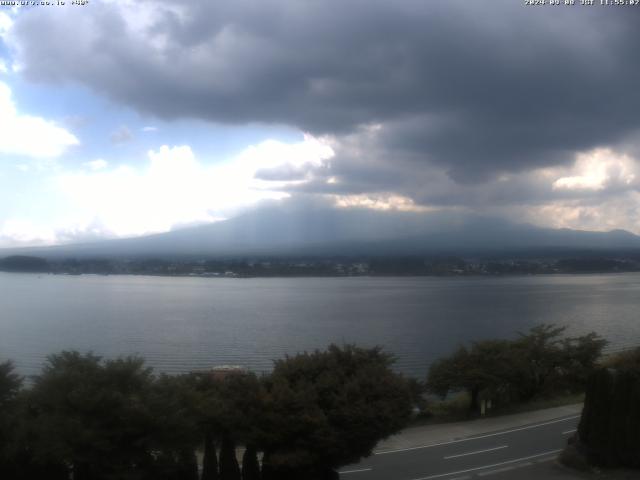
(326, 231)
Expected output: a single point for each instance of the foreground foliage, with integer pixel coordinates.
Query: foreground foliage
(89, 419)
(92, 419)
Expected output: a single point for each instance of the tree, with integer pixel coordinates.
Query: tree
(580, 358)
(10, 385)
(609, 429)
(209, 459)
(538, 359)
(541, 361)
(176, 433)
(546, 362)
(92, 415)
(187, 464)
(203, 413)
(250, 465)
(23, 263)
(482, 370)
(329, 408)
(18, 458)
(229, 468)
(228, 410)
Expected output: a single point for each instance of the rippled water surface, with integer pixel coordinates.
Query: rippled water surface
(179, 324)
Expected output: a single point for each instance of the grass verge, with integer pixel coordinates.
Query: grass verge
(456, 408)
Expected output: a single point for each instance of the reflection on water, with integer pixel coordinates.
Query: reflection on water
(179, 324)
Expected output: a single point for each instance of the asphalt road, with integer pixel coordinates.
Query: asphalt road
(471, 457)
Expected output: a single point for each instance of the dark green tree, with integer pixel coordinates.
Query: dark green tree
(92, 415)
(229, 407)
(10, 385)
(539, 358)
(188, 464)
(548, 362)
(24, 263)
(539, 362)
(209, 458)
(250, 464)
(580, 359)
(484, 370)
(329, 408)
(204, 412)
(176, 432)
(229, 468)
(609, 430)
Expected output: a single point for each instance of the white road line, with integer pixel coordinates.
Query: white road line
(569, 431)
(477, 451)
(440, 475)
(504, 469)
(386, 452)
(355, 471)
(543, 460)
(497, 470)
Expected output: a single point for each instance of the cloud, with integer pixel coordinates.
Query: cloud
(379, 202)
(5, 24)
(98, 164)
(621, 211)
(598, 170)
(175, 188)
(29, 135)
(591, 189)
(17, 232)
(481, 107)
(149, 129)
(474, 88)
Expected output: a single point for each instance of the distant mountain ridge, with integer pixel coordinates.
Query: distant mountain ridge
(281, 231)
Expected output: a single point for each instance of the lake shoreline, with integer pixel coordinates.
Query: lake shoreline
(223, 276)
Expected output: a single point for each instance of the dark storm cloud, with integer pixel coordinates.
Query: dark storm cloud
(373, 174)
(476, 88)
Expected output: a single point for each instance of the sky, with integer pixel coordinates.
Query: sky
(123, 118)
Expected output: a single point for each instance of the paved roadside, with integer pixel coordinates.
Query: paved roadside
(550, 469)
(447, 432)
(522, 446)
(472, 449)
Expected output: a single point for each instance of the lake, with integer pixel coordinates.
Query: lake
(179, 324)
